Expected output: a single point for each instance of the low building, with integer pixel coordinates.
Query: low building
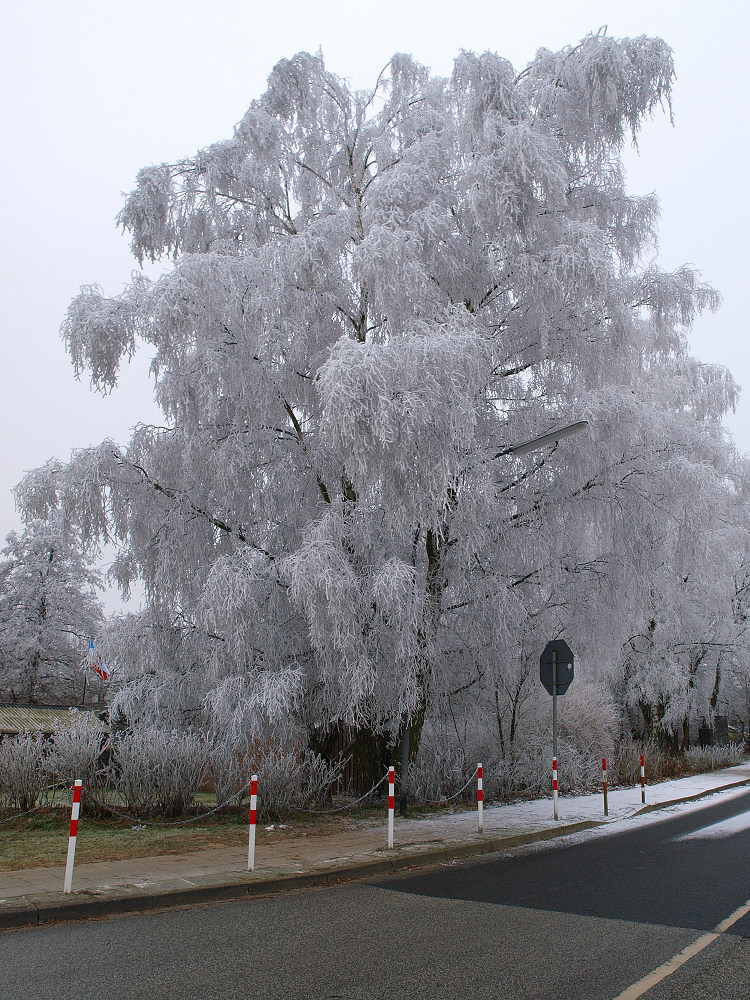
(44, 719)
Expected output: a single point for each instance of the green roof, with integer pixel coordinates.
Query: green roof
(37, 719)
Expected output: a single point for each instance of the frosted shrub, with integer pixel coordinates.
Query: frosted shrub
(441, 767)
(229, 768)
(660, 765)
(713, 758)
(291, 779)
(446, 761)
(22, 770)
(527, 770)
(626, 763)
(159, 771)
(587, 723)
(77, 752)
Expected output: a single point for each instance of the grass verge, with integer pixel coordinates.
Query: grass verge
(41, 839)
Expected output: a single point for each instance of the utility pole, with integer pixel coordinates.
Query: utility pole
(402, 798)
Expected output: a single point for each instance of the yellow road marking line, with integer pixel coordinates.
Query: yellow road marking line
(678, 960)
(733, 918)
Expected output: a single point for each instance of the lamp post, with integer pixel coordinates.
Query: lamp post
(552, 437)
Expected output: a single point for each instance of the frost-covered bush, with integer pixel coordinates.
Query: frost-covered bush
(661, 766)
(159, 771)
(713, 758)
(587, 723)
(626, 762)
(290, 779)
(77, 752)
(442, 766)
(229, 768)
(23, 777)
(527, 770)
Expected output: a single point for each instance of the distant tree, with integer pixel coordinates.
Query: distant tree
(48, 613)
(374, 293)
(674, 667)
(732, 688)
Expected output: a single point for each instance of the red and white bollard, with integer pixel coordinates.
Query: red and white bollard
(77, 789)
(643, 778)
(253, 812)
(554, 786)
(391, 803)
(604, 783)
(480, 799)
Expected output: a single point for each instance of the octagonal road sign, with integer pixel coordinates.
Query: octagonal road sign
(556, 650)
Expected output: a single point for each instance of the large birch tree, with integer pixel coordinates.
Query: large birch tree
(372, 294)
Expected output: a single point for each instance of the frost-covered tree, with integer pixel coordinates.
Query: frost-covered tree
(372, 294)
(691, 640)
(731, 690)
(48, 613)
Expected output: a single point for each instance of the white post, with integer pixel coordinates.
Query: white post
(643, 778)
(391, 803)
(251, 835)
(554, 786)
(77, 788)
(480, 799)
(604, 784)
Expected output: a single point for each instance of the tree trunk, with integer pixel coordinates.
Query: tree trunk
(371, 754)
(685, 734)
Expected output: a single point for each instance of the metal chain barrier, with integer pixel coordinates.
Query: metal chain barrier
(178, 822)
(195, 819)
(28, 812)
(449, 798)
(42, 805)
(349, 805)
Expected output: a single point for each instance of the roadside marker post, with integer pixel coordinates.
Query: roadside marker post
(391, 803)
(604, 783)
(643, 778)
(554, 786)
(77, 789)
(480, 800)
(253, 813)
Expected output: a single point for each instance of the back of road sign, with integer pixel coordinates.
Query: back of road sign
(564, 658)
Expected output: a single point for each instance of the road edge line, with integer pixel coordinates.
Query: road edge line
(661, 973)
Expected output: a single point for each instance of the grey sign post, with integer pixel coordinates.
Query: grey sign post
(556, 673)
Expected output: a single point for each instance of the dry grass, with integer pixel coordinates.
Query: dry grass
(41, 839)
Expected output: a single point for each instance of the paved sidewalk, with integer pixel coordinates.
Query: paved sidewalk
(34, 895)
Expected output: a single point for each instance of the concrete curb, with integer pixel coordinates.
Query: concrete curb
(46, 908)
(690, 798)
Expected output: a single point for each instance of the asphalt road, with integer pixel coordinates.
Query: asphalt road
(582, 919)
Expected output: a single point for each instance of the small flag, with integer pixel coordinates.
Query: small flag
(97, 663)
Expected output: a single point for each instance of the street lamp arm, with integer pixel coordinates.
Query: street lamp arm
(540, 442)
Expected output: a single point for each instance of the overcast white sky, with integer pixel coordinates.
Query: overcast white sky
(92, 91)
